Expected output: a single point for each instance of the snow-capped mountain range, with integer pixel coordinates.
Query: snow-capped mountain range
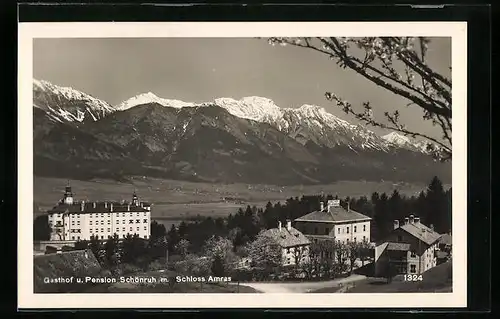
(290, 120)
(224, 140)
(66, 104)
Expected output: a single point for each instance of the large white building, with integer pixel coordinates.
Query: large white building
(80, 220)
(335, 222)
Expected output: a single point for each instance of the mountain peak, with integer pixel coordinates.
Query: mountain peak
(68, 103)
(150, 97)
(396, 138)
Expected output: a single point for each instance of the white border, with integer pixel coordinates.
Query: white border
(28, 31)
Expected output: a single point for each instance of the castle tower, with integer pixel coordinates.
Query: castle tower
(135, 199)
(68, 195)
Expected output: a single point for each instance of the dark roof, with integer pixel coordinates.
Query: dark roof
(398, 246)
(287, 238)
(336, 215)
(445, 239)
(421, 232)
(100, 207)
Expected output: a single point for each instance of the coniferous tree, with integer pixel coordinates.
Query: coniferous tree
(436, 205)
(41, 228)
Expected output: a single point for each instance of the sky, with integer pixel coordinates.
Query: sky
(202, 69)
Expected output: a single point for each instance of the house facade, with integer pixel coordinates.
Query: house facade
(334, 222)
(411, 248)
(294, 245)
(72, 220)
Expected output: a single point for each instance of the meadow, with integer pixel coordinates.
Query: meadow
(174, 201)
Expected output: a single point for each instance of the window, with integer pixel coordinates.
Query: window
(137, 221)
(145, 236)
(102, 230)
(355, 239)
(288, 250)
(78, 223)
(145, 227)
(131, 221)
(109, 222)
(355, 228)
(413, 254)
(145, 220)
(90, 230)
(413, 269)
(364, 227)
(123, 229)
(109, 229)
(137, 228)
(102, 237)
(78, 237)
(90, 222)
(102, 222)
(364, 238)
(347, 240)
(338, 230)
(327, 231)
(348, 229)
(73, 237)
(130, 228)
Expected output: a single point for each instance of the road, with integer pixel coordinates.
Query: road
(299, 287)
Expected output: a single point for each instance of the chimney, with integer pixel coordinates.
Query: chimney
(279, 225)
(111, 207)
(412, 219)
(93, 204)
(396, 223)
(348, 206)
(142, 205)
(105, 204)
(333, 203)
(288, 224)
(432, 226)
(417, 220)
(82, 205)
(321, 206)
(128, 207)
(407, 220)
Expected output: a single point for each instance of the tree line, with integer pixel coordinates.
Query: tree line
(432, 205)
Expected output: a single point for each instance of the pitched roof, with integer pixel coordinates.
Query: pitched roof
(287, 238)
(445, 239)
(398, 246)
(100, 207)
(421, 232)
(335, 215)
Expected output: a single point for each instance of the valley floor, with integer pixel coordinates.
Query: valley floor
(178, 200)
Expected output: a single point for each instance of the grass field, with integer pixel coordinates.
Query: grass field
(178, 200)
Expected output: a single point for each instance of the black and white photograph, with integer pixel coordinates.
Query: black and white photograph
(245, 160)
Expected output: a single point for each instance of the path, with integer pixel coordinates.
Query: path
(300, 287)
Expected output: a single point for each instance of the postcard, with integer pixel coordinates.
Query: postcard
(242, 164)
